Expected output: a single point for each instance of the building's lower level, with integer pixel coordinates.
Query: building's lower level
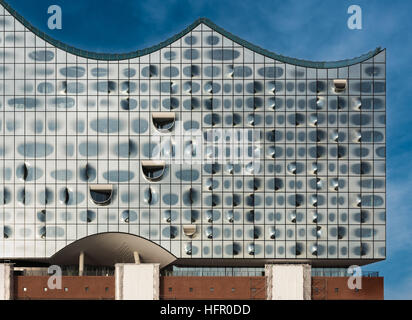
(146, 281)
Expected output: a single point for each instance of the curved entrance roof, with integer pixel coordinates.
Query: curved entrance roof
(106, 249)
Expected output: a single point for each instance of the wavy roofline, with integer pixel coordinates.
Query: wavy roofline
(163, 44)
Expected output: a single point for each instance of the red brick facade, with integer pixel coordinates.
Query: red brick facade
(188, 288)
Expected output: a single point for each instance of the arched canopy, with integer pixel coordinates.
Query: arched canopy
(109, 248)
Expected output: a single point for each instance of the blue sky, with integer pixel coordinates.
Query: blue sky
(313, 30)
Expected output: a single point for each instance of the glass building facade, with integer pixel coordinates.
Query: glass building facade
(206, 145)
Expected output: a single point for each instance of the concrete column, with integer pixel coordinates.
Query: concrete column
(81, 263)
(6, 281)
(288, 282)
(136, 257)
(137, 281)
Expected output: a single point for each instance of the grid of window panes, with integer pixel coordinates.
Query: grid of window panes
(67, 122)
(214, 271)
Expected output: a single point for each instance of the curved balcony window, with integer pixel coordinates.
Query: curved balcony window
(230, 217)
(252, 167)
(170, 215)
(106, 86)
(188, 248)
(271, 103)
(339, 85)
(229, 168)
(314, 200)
(251, 249)
(334, 135)
(314, 169)
(291, 167)
(163, 121)
(256, 232)
(313, 119)
(88, 172)
(298, 249)
(90, 216)
(42, 232)
(250, 200)
(63, 88)
(236, 248)
(256, 183)
(250, 119)
(209, 216)
(297, 119)
(318, 231)
(277, 184)
(359, 200)
(189, 230)
(320, 103)
(191, 215)
(250, 216)
(272, 152)
(65, 196)
(101, 194)
(22, 172)
(153, 170)
(229, 70)
(22, 196)
(127, 87)
(319, 184)
(364, 248)
(314, 250)
(125, 216)
(209, 183)
(46, 196)
(357, 103)
(363, 216)
(209, 232)
(334, 183)
(150, 71)
(41, 215)
(358, 136)
(7, 232)
(6, 194)
(271, 87)
(193, 71)
(272, 233)
(292, 216)
(341, 232)
(128, 104)
(149, 196)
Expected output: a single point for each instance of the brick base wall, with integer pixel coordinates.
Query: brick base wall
(212, 288)
(85, 287)
(336, 288)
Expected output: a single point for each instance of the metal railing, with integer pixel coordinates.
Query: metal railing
(213, 274)
(66, 271)
(338, 272)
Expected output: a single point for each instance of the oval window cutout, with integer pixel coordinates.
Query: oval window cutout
(163, 121)
(101, 194)
(153, 170)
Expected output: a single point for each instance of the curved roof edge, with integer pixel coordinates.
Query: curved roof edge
(138, 53)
